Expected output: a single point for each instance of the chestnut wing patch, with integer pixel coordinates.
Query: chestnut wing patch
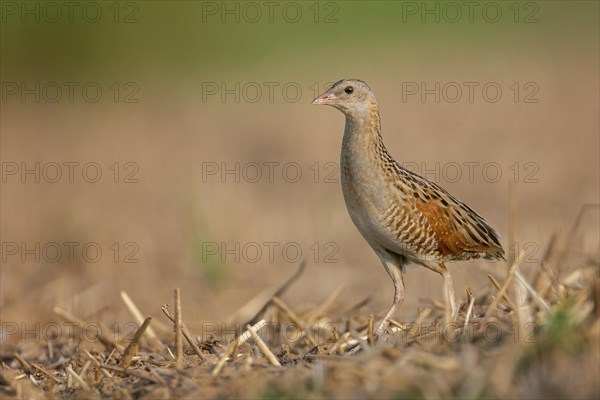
(455, 232)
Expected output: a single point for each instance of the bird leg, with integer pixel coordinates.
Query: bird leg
(449, 294)
(396, 275)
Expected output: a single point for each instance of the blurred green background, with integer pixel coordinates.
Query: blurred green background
(189, 39)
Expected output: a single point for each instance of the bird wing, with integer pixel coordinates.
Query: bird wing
(429, 219)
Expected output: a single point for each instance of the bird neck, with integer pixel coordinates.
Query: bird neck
(363, 131)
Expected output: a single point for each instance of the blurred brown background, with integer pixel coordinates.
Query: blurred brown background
(541, 135)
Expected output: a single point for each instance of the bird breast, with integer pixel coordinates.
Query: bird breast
(367, 199)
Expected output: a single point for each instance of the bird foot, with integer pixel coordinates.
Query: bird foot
(376, 335)
(353, 350)
(380, 329)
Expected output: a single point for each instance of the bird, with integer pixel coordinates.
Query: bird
(404, 217)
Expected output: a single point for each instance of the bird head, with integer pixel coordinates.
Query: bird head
(350, 96)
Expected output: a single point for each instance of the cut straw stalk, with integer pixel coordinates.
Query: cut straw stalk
(78, 379)
(536, 296)
(105, 340)
(504, 296)
(221, 363)
(511, 273)
(153, 378)
(134, 345)
(265, 349)
(24, 364)
(97, 363)
(186, 332)
(370, 335)
(247, 334)
(178, 331)
(294, 318)
(234, 344)
(139, 318)
(471, 299)
(339, 342)
(43, 371)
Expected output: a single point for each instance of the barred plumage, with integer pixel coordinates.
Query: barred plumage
(403, 216)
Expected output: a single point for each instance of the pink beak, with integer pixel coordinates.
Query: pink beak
(325, 98)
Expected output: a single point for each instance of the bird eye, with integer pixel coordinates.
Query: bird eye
(349, 89)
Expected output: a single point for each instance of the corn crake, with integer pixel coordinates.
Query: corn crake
(404, 217)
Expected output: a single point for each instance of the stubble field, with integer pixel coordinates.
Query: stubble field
(202, 166)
